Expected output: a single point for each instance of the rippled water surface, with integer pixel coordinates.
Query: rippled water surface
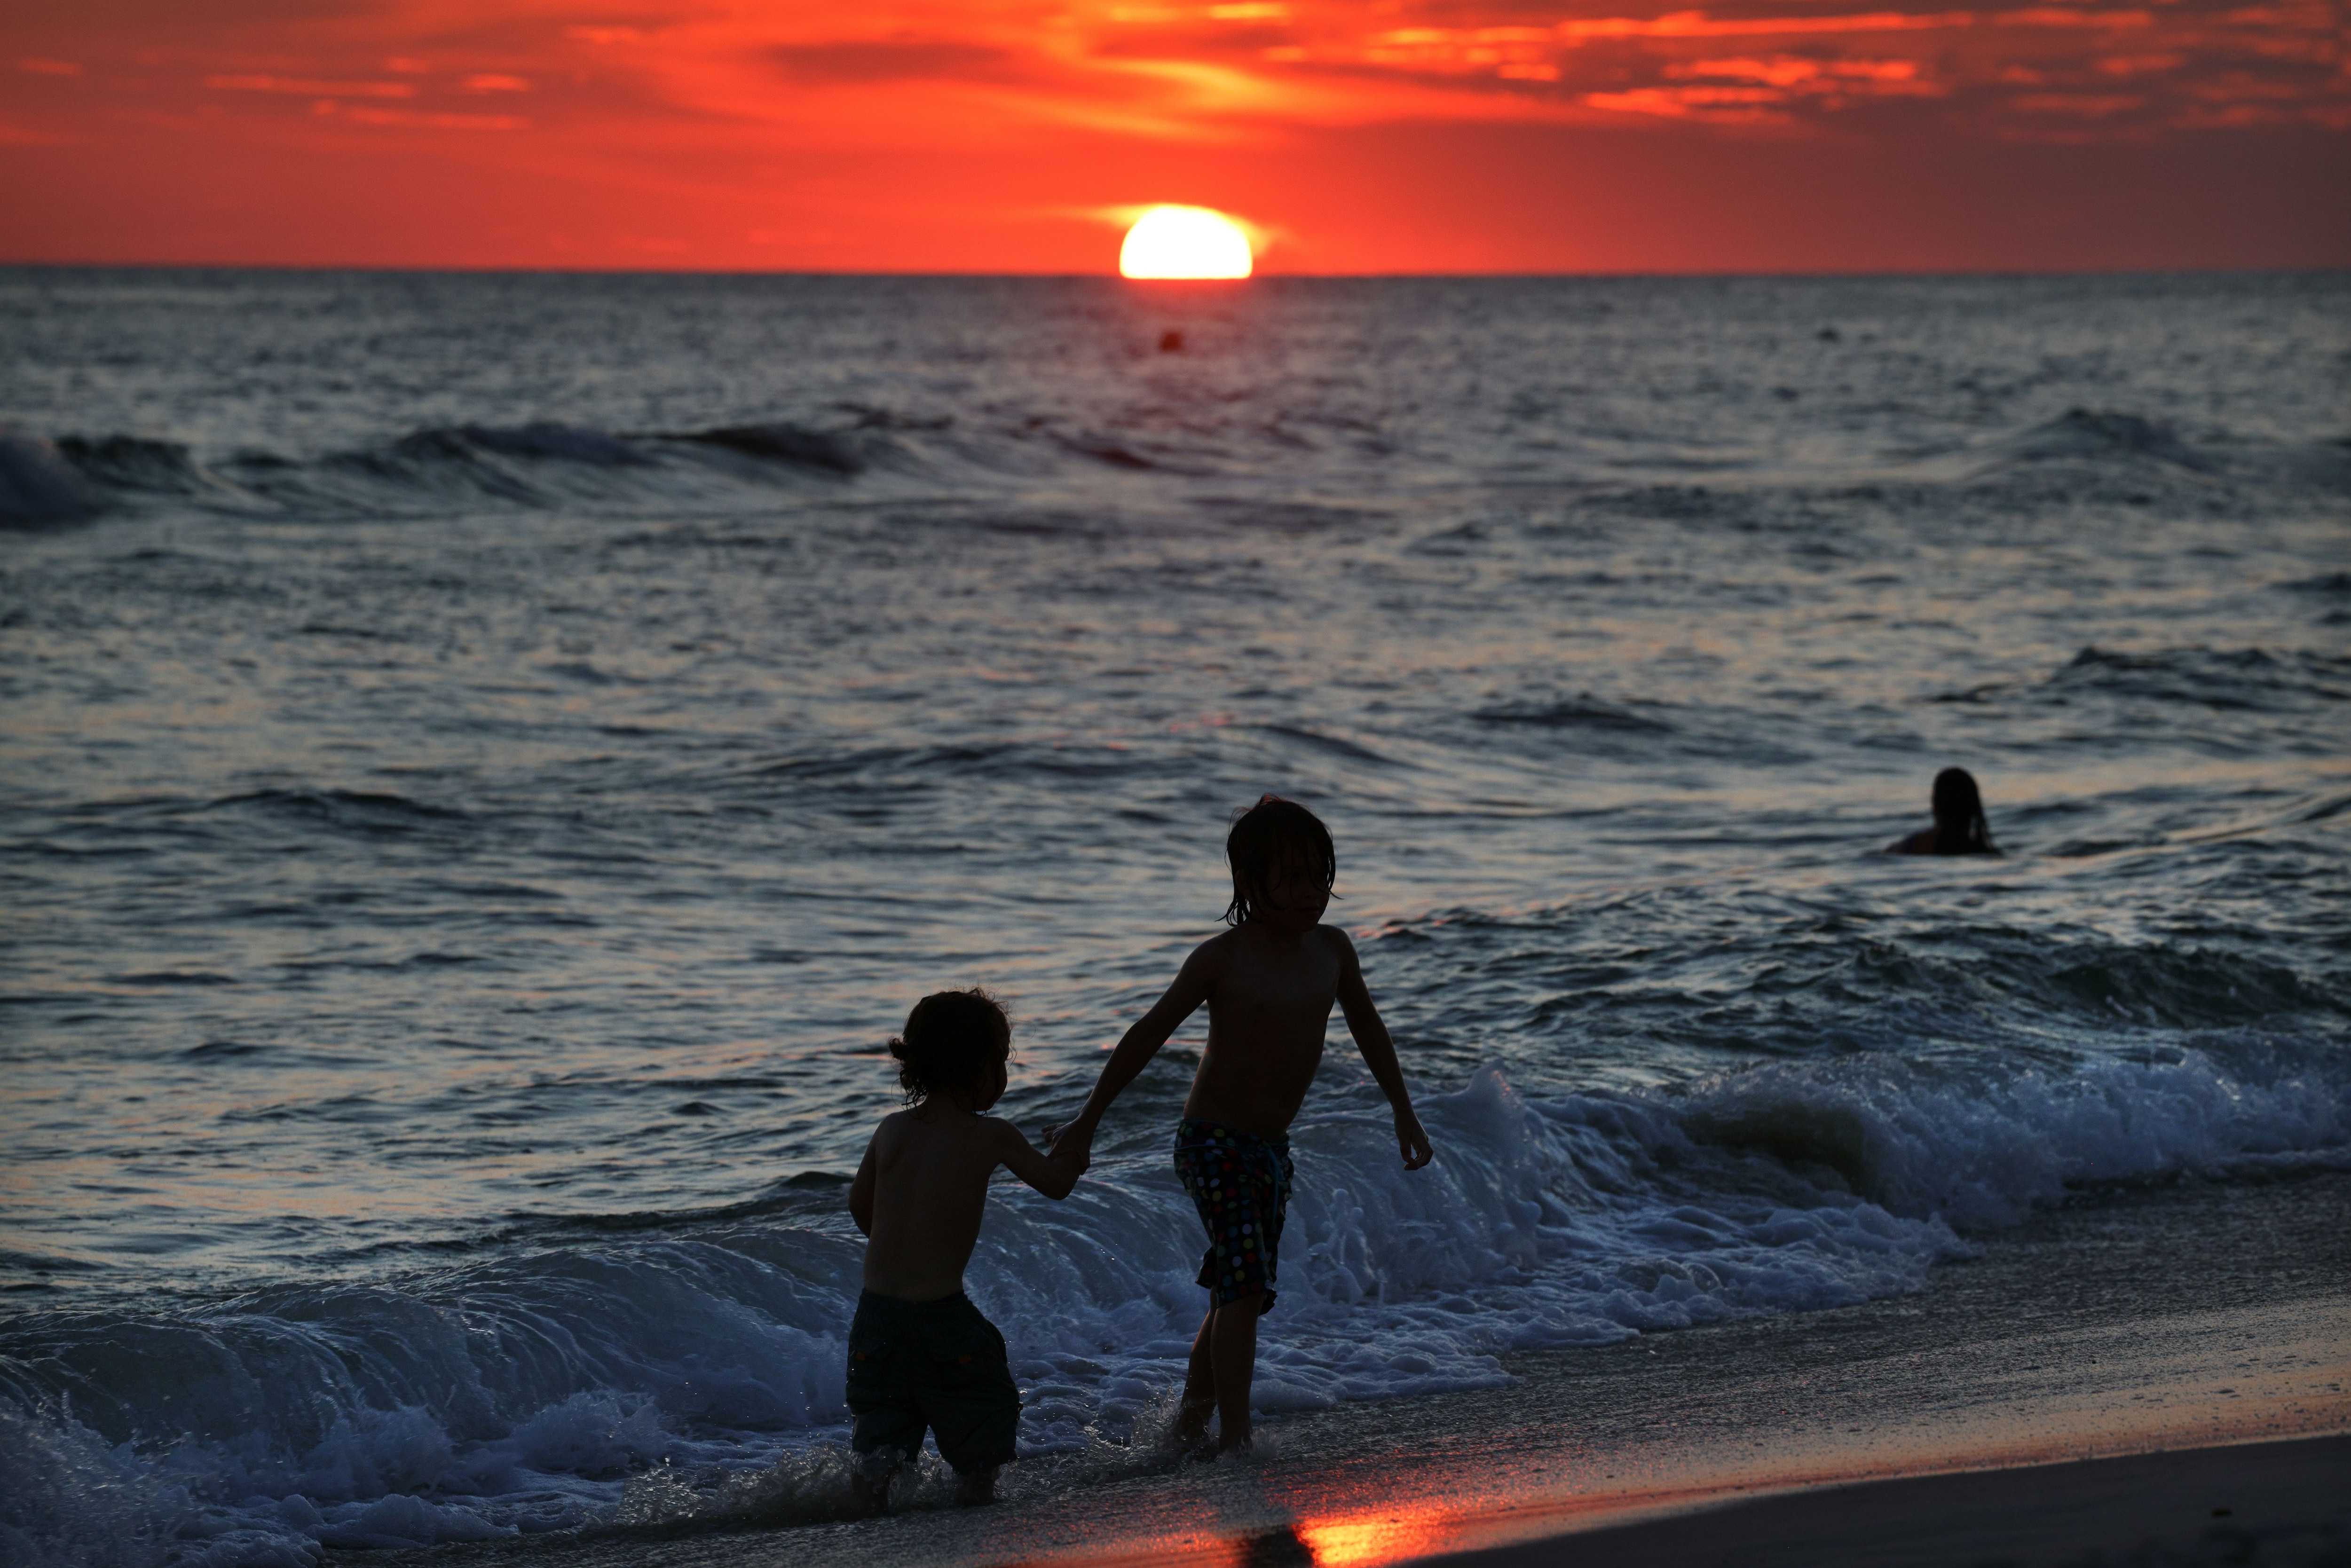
(486, 759)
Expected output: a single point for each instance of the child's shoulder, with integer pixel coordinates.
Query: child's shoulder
(996, 1130)
(1216, 952)
(896, 1126)
(1342, 945)
(911, 1129)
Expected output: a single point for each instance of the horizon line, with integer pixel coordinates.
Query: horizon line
(1111, 276)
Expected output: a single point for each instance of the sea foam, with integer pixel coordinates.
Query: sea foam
(522, 1391)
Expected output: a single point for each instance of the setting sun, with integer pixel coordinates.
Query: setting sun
(1185, 242)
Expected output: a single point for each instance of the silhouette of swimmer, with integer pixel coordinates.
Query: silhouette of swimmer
(1959, 828)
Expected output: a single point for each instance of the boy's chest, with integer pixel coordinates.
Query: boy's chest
(1302, 988)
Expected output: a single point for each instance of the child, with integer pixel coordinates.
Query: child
(1269, 983)
(920, 1354)
(1959, 827)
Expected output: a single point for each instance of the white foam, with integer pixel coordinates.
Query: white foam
(522, 1393)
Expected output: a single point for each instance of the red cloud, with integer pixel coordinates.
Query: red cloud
(902, 129)
(857, 60)
(310, 87)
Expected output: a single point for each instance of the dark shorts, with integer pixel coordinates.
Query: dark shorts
(934, 1365)
(1240, 1183)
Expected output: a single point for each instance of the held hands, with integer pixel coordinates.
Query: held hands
(1411, 1142)
(1072, 1140)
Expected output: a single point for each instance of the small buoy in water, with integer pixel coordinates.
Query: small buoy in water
(1171, 341)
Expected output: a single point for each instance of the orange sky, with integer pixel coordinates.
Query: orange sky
(1006, 135)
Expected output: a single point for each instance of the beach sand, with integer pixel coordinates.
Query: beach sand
(2094, 1386)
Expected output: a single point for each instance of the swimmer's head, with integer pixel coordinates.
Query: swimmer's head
(957, 1042)
(1284, 863)
(1959, 824)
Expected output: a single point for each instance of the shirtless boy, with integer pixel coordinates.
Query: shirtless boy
(1269, 983)
(920, 1354)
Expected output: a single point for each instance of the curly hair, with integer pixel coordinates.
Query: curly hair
(952, 1041)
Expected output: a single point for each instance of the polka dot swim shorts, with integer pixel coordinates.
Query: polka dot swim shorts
(1240, 1183)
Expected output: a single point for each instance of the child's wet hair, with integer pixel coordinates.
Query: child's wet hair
(953, 1040)
(1275, 832)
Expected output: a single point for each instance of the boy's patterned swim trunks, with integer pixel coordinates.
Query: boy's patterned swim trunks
(1240, 1183)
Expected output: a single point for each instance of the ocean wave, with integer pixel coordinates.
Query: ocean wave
(1570, 712)
(2101, 433)
(550, 463)
(880, 771)
(1108, 451)
(2251, 678)
(844, 453)
(2117, 457)
(557, 443)
(134, 463)
(537, 464)
(1330, 745)
(374, 813)
(518, 1390)
(2223, 679)
(1660, 974)
(39, 488)
(534, 465)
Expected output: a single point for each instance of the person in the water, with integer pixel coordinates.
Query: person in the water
(920, 1354)
(1959, 828)
(1269, 983)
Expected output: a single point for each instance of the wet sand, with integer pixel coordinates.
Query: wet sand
(2193, 1343)
(2273, 1503)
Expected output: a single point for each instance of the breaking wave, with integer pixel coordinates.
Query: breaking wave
(548, 463)
(2092, 433)
(39, 487)
(521, 1390)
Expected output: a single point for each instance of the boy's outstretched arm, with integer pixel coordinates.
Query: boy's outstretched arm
(1379, 1054)
(1181, 998)
(1053, 1174)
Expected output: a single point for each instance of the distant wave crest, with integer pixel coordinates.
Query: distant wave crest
(2086, 454)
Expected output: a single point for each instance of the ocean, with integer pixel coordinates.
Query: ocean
(489, 759)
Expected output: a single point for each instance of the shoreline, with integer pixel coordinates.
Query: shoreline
(2186, 1322)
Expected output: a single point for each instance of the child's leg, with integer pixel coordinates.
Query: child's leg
(870, 1485)
(1232, 1358)
(969, 1395)
(976, 1487)
(1200, 1400)
(890, 1423)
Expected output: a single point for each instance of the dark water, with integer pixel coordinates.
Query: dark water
(487, 760)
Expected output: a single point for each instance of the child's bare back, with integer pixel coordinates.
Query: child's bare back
(922, 1192)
